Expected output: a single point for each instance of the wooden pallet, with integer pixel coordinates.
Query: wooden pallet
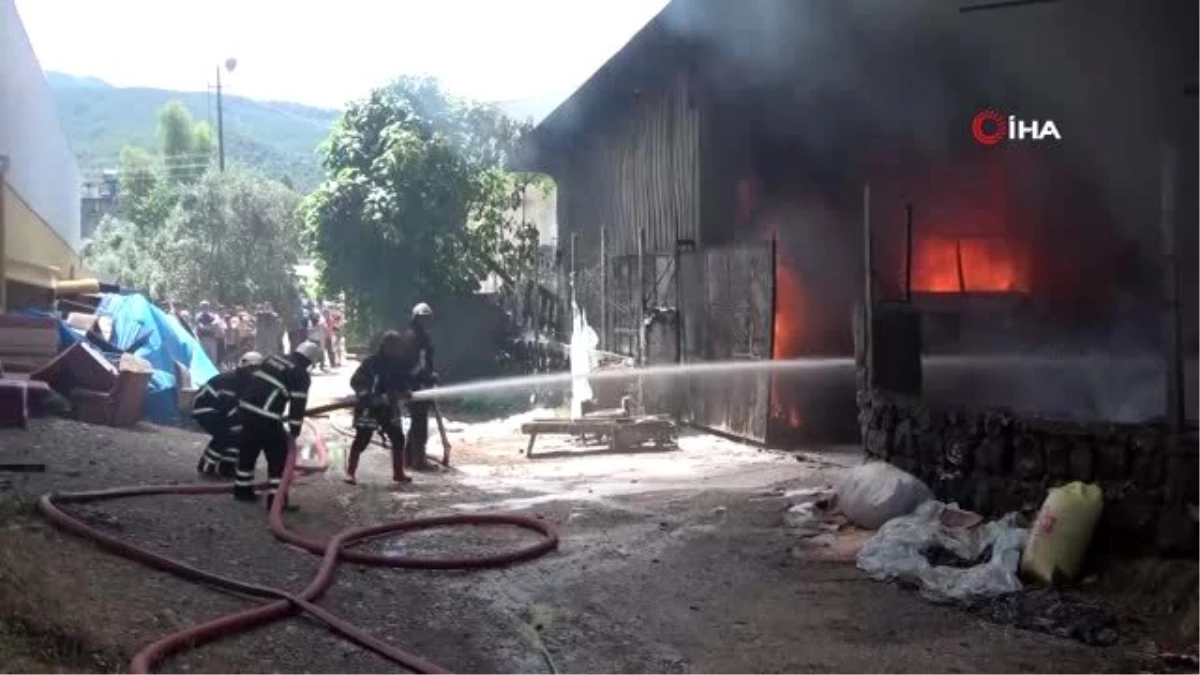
(622, 432)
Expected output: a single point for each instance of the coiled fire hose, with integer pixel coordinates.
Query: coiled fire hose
(283, 603)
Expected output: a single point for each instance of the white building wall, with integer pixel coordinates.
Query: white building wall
(42, 166)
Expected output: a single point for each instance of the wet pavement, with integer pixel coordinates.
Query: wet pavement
(673, 561)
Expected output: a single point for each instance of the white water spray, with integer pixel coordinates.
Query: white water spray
(583, 344)
(709, 369)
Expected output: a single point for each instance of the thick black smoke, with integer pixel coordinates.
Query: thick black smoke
(843, 91)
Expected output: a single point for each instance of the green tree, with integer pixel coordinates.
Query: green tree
(236, 241)
(146, 197)
(122, 251)
(234, 238)
(186, 145)
(203, 143)
(418, 201)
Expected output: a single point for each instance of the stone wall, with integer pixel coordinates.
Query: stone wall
(994, 462)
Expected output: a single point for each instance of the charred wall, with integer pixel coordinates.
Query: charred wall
(636, 171)
(814, 99)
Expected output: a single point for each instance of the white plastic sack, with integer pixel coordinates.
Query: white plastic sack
(872, 494)
(897, 553)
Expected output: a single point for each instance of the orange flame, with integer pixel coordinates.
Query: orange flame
(789, 307)
(951, 265)
(788, 338)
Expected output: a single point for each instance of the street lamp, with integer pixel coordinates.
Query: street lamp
(230, 64)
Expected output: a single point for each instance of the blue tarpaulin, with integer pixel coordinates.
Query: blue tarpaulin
(162, 341)
(67, 335)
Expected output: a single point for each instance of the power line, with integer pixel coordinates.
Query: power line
(111, 159)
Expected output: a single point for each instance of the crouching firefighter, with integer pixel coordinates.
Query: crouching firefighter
(215, 409)
(280, 383)
(418, 352)
(380, 383)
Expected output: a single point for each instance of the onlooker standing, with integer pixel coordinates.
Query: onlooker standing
(337, 320)
(318, 331)
(331, 330)
(229, 354)
(298, 330)
(245, 334)
(268, 337)
(210, 330)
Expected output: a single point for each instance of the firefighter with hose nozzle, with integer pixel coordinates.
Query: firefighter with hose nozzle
(215, 409)
(280, 383)
(418, 351)
(380, 383)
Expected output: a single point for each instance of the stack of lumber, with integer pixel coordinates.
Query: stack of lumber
(26, 342)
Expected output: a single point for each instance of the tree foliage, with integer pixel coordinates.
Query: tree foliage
(147, 197)
(235, 240)
(186, 145)
(119, 250)
(231, 237)
(418, 204)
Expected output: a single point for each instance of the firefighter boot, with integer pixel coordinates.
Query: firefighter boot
(244, 493)
(287, 506)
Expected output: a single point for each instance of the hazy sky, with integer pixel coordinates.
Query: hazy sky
(325, 52)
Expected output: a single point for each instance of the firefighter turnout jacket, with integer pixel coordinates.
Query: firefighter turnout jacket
(418, 352)
(217, 400)
(280, 383)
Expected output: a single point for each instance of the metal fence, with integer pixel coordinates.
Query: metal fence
(727, 299)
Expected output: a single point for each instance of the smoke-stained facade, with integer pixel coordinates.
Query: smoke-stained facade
(786, 108)
(41, 216)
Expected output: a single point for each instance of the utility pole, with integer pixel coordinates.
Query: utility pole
(3, 233)
(220, 126)
(229, 65)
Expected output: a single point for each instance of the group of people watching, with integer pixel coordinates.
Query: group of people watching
(322, 323)
(228, 333)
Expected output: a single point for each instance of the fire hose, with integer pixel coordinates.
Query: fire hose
(284, 603)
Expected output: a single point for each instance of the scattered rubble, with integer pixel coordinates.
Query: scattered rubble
(1050, 611)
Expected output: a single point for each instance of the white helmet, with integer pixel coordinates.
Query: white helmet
(309, 350)
(250, 359)
(422, 309)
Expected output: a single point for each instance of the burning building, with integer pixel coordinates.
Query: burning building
(724, 128)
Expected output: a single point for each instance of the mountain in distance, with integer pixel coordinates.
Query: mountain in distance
(278, 138)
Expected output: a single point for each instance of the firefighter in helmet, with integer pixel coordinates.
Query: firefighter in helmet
(280, 383)
(215, 409)
(380, 383)
(418, 351)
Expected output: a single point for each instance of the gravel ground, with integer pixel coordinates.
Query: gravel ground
(669, 562)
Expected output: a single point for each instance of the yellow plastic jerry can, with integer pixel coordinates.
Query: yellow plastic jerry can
(1062, 532)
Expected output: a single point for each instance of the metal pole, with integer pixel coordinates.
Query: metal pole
(604, 341)
(678, 303)
(774, 294)
(220, 125)
(641, 306)
(908, 252)
(868, 285)
(3, 234)
(574, 239)
(1174, 318)
(962, 277)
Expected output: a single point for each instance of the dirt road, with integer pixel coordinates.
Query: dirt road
(670, 562)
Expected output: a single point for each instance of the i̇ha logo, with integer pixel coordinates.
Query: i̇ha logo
(990, 128)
